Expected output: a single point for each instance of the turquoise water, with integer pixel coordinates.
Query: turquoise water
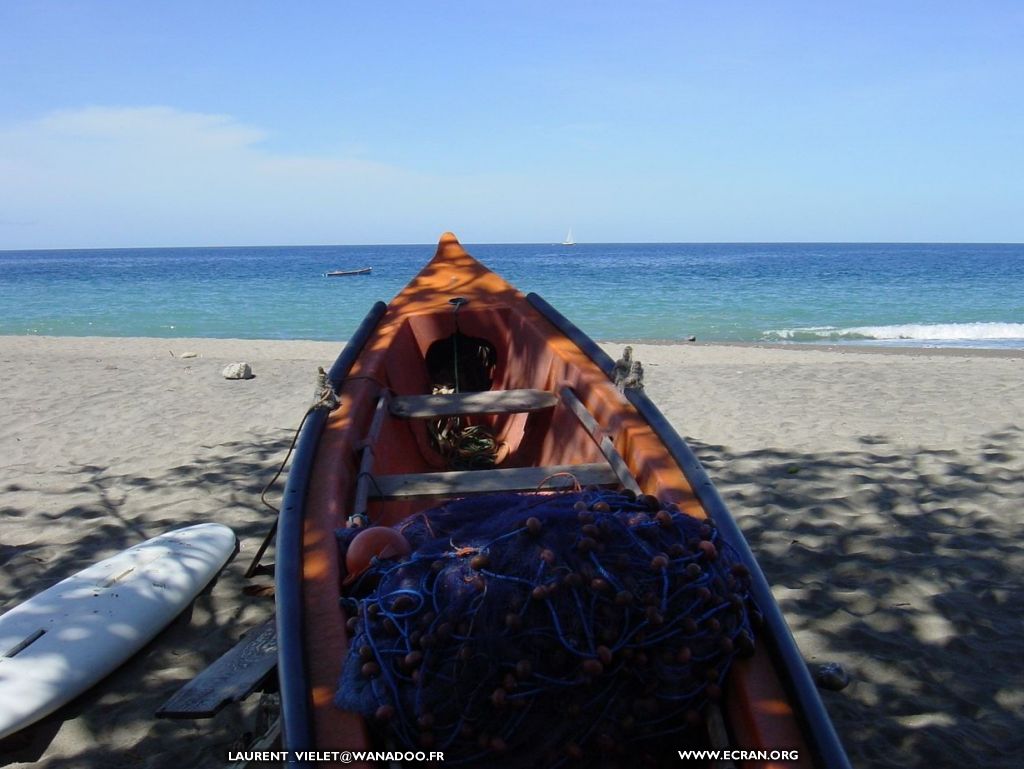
(922, 295)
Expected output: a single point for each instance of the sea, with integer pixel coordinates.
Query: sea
(921, 295)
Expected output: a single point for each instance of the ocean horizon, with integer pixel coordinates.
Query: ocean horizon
(888, 294)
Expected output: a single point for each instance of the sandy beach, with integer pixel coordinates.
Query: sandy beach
(881, 492)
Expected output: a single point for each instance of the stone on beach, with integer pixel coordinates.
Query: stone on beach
(189, 355)
(237, 371)
(831, 676)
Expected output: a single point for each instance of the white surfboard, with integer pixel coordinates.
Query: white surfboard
(69, 637)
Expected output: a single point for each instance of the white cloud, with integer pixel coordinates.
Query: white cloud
(128, 123)
(151, 176)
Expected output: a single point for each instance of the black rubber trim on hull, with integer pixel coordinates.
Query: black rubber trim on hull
(355, 345)
(820, 732)
(297, 727)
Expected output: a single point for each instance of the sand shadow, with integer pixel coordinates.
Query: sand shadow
(116, 511)
(907, 568)
(903, 566)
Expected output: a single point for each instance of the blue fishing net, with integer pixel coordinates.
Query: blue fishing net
(535, 629)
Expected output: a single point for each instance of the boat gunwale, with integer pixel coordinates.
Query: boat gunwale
(292, 671)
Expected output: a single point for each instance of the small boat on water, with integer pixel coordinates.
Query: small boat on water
(342, 273)
(568, 239)
(460, 349)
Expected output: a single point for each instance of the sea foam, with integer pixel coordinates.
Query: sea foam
(932, 332)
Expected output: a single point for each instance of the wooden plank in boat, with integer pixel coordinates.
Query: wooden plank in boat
(459, 482)
(462, 404)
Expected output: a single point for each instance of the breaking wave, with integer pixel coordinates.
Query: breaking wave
(925, 332)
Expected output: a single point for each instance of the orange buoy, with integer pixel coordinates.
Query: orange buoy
(372, 543)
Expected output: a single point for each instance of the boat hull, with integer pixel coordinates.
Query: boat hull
(344, 273)
(770, 701)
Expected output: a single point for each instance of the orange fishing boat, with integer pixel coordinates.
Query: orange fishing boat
(369, 456)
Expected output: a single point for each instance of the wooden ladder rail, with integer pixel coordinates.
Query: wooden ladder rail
(364, 479)
(601, 438)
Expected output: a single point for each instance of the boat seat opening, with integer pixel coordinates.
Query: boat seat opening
(461, 363)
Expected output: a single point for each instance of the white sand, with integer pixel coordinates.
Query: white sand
(881, 493)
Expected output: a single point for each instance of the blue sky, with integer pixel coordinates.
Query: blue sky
(237, 123)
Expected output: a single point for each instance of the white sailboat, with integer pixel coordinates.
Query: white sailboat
(568, 239)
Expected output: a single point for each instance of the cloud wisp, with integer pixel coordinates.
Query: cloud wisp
(155, 176)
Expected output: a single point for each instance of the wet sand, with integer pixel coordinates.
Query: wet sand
(881, 491)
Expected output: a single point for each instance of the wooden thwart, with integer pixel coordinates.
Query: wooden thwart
(232, 678)
(487, 481)
(464, 404)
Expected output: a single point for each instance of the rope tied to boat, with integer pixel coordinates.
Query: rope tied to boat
(627, 372)
(464, 447)
(324, 396)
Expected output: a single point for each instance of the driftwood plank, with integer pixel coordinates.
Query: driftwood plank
(463, 404)
(459, 482)
(232, 678)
